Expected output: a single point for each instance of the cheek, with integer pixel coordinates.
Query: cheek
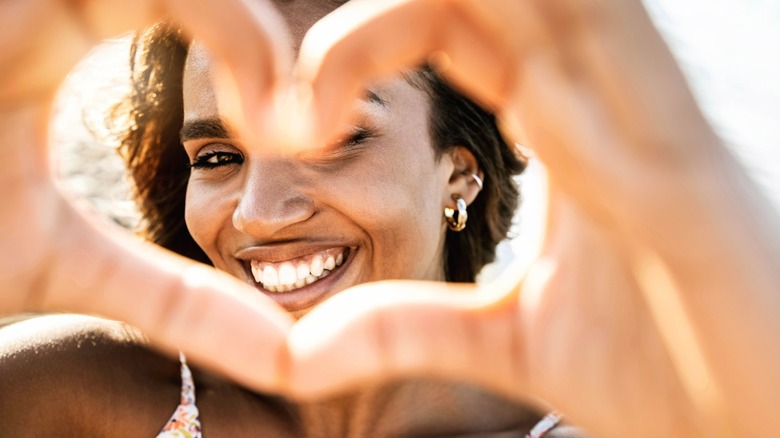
(397, 204)
(205, 212)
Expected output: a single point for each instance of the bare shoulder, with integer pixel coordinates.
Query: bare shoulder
(52, 332)
(74, 375)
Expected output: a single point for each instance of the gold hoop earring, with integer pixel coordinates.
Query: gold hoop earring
(456, 220)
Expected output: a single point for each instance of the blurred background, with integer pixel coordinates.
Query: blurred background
(729, 50)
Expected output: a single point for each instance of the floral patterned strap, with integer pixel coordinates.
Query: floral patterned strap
(544, 425)
(185, 422)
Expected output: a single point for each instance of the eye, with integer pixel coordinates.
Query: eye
(357, 136)
(214, 159)
(352, 144)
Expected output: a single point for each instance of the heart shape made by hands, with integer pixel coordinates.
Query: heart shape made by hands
(637, 226)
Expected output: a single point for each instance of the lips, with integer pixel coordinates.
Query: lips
(297, 273)
(296, 278)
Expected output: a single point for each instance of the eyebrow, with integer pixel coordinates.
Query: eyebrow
(204, 128)
(374, 98)
(217, 128)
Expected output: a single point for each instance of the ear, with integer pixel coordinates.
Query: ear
(466, 178)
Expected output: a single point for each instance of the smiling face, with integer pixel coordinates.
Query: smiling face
(301, 228)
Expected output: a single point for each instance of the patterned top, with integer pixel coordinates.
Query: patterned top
(185, 421)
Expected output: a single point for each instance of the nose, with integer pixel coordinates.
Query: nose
(271, 199)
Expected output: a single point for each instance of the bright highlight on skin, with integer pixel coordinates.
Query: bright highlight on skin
(677, 332)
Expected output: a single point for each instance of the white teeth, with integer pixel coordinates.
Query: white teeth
(316, 266)
(256, 271)
(287, 274)
(330, 264)
(270, 276)
(302, 271)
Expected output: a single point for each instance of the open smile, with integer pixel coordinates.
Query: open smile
(300, 282)
(297, 273)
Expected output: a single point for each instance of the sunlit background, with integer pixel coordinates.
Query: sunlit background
(729, 49)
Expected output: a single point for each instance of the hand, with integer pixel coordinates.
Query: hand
(54, 258)
(576, 334)
(604, 210)
(593, 90)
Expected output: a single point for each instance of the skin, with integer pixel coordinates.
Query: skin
(382, 197)
(646, 204)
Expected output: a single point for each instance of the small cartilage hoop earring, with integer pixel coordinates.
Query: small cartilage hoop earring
(477, 180)
(456, 219)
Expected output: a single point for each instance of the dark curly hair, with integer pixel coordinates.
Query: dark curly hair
(158, 165)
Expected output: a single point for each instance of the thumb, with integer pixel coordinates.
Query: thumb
(393, 329)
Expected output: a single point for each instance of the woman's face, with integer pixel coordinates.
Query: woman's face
(303, 227)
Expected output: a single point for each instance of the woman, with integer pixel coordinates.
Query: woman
(304, 227)
(623, 197)
(391, 192)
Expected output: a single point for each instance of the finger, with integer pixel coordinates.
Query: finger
(252, 45)
(247, 36)
(361, 42)
(213, 318)
(393, 329)
(34, 63)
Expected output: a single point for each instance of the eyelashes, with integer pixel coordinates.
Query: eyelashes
(214, 159)
(357, 137)
(217, 157)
